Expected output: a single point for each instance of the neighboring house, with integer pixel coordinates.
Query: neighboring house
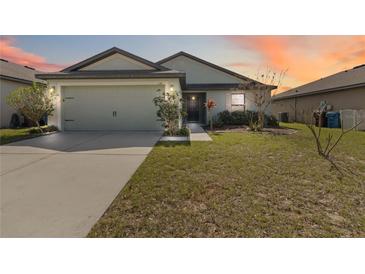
(12, 76)
(343, 90)
(114, 90)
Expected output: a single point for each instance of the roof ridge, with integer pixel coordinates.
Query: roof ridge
(109, 52)
(232, 73)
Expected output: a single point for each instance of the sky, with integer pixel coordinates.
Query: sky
(304, 58)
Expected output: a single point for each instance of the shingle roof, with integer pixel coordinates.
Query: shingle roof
(110, 52)
(182, 53)
(16, 72)
(354, 77)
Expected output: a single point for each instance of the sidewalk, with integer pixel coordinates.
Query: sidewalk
(198, 133)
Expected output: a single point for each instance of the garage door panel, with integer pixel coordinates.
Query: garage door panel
(110, 108)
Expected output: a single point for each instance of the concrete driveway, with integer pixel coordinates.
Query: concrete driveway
(59, 185)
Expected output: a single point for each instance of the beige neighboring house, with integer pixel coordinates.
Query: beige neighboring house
(341, 91)
(114, 90)
(13, 76)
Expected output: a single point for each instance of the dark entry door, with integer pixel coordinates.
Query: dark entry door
(193, 105)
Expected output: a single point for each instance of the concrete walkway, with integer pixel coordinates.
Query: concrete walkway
(198, 133)
(59, 185)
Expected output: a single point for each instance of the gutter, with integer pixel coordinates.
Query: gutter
(318, 92)
(15, 79)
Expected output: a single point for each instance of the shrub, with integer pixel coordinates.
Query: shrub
(224, 117)
(271, 121)
(184, 131)
(239, 118)
(33, 102)
(169, 110)
(242, 118)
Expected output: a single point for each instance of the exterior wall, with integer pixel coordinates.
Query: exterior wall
(6, 87)
(59, 85)
(198, 73)
(223, 99)
(117, 62)
(301, 107)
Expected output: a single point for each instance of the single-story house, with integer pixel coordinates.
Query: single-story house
(114, 90)
(341, 91)
(13, 76)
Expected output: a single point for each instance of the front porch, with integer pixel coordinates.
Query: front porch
(194, 107)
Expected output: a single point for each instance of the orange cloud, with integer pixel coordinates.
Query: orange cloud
(307, 58)
(239, 65)
(16, 55)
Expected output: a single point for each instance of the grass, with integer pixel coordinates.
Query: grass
(12, 135)
(242, 185)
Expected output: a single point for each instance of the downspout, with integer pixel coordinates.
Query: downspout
(295, 109)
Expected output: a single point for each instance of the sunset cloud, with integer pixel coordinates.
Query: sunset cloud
(307, 58)
(10, 52)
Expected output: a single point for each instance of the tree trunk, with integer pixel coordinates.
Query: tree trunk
(39, 127)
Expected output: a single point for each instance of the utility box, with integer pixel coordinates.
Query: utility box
(283, 117)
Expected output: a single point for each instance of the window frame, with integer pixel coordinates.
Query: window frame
(238, 105)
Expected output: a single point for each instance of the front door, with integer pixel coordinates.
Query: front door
(193, 108)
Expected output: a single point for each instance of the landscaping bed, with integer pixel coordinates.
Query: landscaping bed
(243, 128)
(9, 135)
(243, 185)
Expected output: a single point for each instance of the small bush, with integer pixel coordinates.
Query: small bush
(271, 121)
(217, 123)
(224, 117)
(184, 131)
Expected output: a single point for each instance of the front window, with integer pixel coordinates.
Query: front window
(238, 101)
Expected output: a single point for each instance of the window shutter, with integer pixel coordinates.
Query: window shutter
(229, 102)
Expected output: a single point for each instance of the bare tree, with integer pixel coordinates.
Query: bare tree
(265, 82)
(324, 148)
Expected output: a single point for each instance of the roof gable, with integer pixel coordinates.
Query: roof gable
(354, 77)
(115, 59)
(197, 68)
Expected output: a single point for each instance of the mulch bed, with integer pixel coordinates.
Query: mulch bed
(274, 131)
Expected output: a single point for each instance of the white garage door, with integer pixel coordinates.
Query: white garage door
(110, 108)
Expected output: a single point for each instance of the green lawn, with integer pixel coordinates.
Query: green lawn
(243, 185)
(11, 135)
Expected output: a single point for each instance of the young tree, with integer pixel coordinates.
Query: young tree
(210, 105)
(33, 102)
(261, 98)
(169, 110)
(326, 146)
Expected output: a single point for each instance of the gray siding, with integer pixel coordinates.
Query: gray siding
(301, 107)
